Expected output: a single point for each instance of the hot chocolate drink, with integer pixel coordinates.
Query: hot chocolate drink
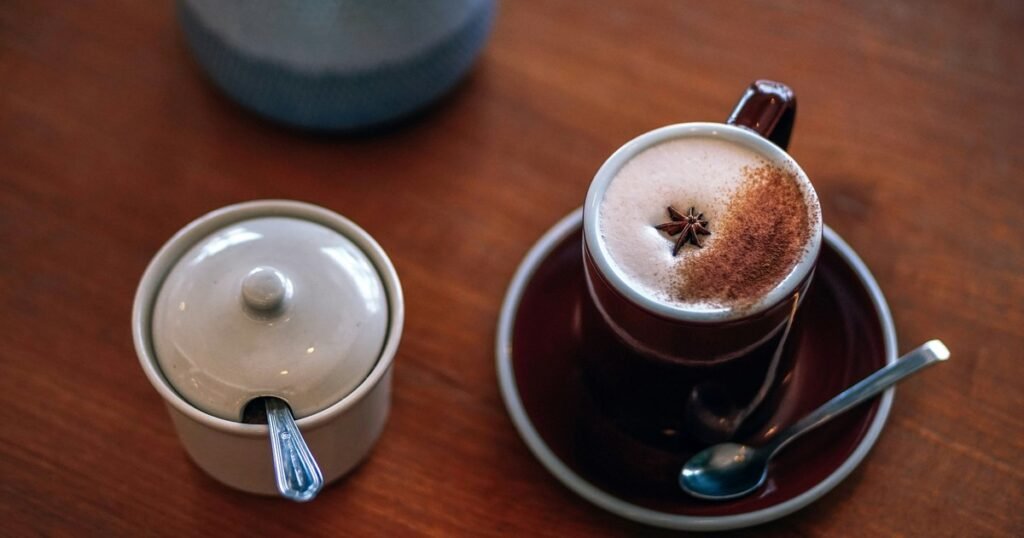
(707, 225)
(699, 242)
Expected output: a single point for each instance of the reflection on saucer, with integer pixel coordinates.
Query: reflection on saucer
(847, 334)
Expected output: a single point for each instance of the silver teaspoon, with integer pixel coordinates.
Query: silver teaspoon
(730, 470)
(298, 475)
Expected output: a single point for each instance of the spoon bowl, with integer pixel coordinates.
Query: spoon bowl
(730, 470)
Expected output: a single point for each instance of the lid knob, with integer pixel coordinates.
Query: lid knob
(265, 290)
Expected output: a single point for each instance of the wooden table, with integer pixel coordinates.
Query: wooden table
(111, 140)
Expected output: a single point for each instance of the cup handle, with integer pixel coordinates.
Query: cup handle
(769, 109)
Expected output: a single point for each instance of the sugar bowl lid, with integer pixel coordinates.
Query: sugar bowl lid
(273, 305)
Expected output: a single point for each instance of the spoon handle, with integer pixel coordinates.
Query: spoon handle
(931, 352)
(298, 476)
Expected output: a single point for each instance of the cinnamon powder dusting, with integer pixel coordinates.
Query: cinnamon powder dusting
(758, 241)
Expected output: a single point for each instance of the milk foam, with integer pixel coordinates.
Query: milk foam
(688, 172)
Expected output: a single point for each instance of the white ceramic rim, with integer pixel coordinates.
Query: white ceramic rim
(731, 133)
(606, 501)
(195, 231)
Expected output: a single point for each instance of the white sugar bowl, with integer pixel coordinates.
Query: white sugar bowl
(274, 306)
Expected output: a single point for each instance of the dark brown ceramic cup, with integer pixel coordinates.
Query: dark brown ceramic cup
(664, 381)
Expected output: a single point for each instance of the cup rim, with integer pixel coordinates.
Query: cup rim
(723, 131)
(195, 231)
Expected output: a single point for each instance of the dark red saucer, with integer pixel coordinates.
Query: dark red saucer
(848, 333)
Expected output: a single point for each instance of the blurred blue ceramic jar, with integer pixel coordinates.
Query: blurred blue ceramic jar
(336, 64)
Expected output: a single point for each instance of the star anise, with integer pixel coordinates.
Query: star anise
(687, 226)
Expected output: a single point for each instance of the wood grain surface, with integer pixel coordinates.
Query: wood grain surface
(111, 139)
